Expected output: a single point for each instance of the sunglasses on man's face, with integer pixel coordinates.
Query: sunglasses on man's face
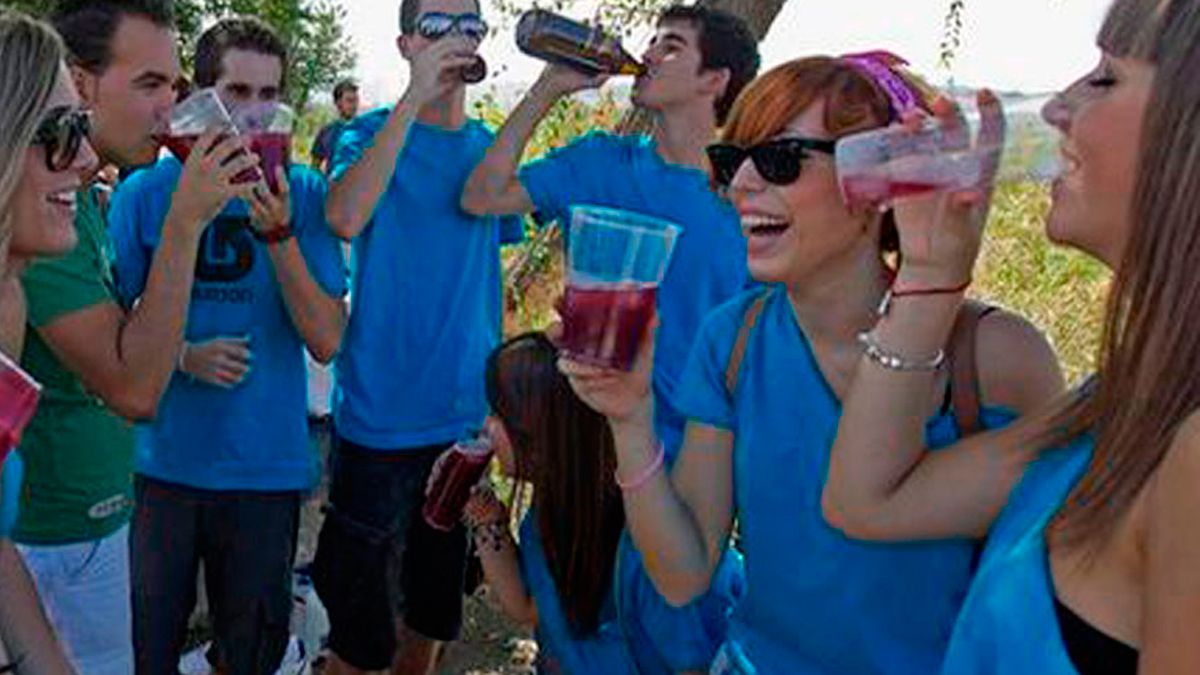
(61, 133)
(437, 25)
(777, 161)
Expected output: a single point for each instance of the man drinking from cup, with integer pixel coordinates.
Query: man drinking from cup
(222, 469)
(410, 379)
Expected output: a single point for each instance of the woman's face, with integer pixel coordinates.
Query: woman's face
(43, 206)
(1100, 117)
(795, 230)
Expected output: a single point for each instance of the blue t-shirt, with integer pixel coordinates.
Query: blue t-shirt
(10, 489)
(816, 601)
(708, 266)
(426, 310)
(1008, 623)
(638, 632)
(253, 436)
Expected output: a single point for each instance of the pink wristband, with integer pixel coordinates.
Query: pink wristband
(645, 474)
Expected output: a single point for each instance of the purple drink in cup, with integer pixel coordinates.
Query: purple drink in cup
(615, 262)
(268, 128)
(459, 471)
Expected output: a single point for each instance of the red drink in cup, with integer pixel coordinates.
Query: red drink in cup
(268, 126)
(195, 116)
(18, 401)
(615, 261)
(459, 471)
(604, 325)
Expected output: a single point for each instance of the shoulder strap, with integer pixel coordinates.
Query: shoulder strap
(964, 372)
(749, 319)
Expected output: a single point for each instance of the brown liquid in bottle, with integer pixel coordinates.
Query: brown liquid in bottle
(557, 39)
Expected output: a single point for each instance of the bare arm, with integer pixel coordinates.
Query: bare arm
(26, 638)
(353, 197)
(679, 523)
(128, 358)
(319, 317)
(884, 483)
(1171, 606)
(488, 519)
(493, 187)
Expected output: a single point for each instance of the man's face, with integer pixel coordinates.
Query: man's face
(416, 42)
(249, 77)
(131, 100)
(673, 63)
(347, 104)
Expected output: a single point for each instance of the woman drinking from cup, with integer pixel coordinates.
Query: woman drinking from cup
(1093, 557)
(763, 394)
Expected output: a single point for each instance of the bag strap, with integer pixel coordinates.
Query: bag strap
(964, 370)
(749, 319)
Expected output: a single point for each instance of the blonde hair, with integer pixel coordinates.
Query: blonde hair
(1149, 373)
(31, 55)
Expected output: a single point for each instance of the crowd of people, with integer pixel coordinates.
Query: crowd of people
(825, 459)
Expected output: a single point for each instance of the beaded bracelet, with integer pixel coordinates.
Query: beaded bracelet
(491, 536)
(645, 474)
(892, 361)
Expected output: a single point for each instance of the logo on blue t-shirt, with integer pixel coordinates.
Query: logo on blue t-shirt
(226, 255)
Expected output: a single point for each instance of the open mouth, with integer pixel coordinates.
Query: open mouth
(764, 226)
(65, 198)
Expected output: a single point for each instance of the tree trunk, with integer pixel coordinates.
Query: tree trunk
(759, 14)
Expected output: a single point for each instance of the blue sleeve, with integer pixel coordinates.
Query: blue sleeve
(137, 208)
(702, 395)
(322, 251)
(684, 638)
(10, 489)
(353, 141)
(563, 177)
(512, 229)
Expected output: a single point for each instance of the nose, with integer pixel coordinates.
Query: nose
(86, 159)
(746, 179)
(1057, 112)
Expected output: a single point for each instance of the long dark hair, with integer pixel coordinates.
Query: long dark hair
(1149, 373)
(565, 451)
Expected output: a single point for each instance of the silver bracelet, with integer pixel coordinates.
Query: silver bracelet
(892, 361)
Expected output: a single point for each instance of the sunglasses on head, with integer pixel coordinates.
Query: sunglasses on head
(61, 134)
(778, 161)
(437, 25)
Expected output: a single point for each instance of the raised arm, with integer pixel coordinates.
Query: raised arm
(128, 358)
(883, 483)
(679, 523)
(494, 187)
(355, 193)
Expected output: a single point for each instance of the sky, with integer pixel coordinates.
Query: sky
(1023, 45)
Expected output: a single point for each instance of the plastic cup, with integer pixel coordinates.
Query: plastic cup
(268, 129)
(461, 469)
(191, 118)
(878, 167)
(18, 401)
(615, 262)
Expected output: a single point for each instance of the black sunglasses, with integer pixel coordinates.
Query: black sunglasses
(61, 133)
(437, 25)
(778, 161)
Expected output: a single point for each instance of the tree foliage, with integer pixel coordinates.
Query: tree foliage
(314, 31)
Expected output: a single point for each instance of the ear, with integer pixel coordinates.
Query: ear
(85, 84)
(405, 47)
(716, 81)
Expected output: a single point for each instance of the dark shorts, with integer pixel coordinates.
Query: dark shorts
(378, 561)
(247, 542)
